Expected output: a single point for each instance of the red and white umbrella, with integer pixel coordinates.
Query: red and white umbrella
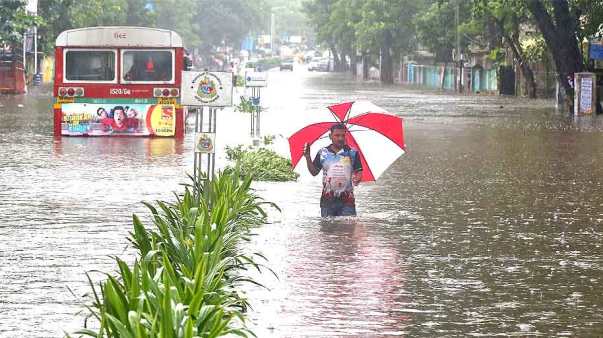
(376, 134)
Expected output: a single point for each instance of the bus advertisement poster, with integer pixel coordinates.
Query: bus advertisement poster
(84, 119)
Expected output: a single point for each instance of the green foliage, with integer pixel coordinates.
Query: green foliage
(14, 22)
(380, 16)
(185, 281)
(200, 23)
(61, 15)
(497, 55)
(261, 164)
(227, 21)
(289, 17)
(590, 14)
(268, 139)
(180, 16)
(437, 30)
(246, 106)
(534, 49)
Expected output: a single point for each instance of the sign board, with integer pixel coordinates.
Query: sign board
(32, 6)
(205, 143)
(93, 119)
(584, 100)
(207, 89)
(596, 50)
(256, 79)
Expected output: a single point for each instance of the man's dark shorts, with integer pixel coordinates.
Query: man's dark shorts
(337, 208)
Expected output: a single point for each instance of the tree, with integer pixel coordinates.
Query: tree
(319, 15)
(14, 22)
(509, 16)
(560, 30)
(388, 26)
(437, 27)
(228, 20)
(139, 13)
(61, 15)
(179, 16)
(56, 19)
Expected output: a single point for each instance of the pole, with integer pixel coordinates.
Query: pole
(272, 29)
(35, 38)
(209, 129)
(198, 129)
(252, 114)
(458, 47)
(257, 122)
(213, 155)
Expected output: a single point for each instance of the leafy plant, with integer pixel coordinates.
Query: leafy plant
(245, 106)
(261, 164)
(268, 139)
(185, 281)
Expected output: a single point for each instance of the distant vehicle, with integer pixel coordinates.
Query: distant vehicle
(309, 56)
(319, 65)
(287, 64)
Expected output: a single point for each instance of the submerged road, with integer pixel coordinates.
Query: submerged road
(491, 224)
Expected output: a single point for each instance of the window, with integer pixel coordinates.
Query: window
(147, 66)
(90, 65)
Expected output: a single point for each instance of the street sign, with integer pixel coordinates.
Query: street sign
(207, 89)
(256, 79)
(205, 143)
(586, 89)
(596, 50)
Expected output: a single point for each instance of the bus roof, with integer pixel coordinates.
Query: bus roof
(118, 36)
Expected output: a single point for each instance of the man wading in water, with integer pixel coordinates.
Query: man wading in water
(342, 170)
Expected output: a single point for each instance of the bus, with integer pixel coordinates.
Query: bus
(118, 81)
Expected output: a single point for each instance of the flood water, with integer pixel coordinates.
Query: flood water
(491, 224)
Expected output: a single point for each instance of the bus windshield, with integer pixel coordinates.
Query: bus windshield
(88, 65)
(147, 65)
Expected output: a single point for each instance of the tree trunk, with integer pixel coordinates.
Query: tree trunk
(336, 60)
(353, 63)
(387, 67)
(561, 39)
(365, 66)
(526, 70)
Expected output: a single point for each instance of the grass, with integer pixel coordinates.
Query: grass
(186, 279)
(262, 164)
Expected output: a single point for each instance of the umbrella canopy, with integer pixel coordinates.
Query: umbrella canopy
(376, 134)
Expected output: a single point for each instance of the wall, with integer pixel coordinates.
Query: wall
(443, 76)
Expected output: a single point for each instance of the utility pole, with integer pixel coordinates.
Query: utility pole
(272, 29)
(459, 85)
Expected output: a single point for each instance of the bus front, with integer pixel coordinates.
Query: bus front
(118, 81)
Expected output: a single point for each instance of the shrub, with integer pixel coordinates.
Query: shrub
(261, 164)
(185, 281)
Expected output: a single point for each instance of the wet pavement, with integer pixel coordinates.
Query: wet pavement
(489, 225)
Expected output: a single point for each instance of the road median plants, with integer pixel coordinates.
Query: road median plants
(186, 279)
(262, 164)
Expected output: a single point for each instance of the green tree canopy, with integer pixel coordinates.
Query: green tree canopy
(14, 22)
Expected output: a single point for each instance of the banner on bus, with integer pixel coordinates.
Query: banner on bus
(81, 119)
